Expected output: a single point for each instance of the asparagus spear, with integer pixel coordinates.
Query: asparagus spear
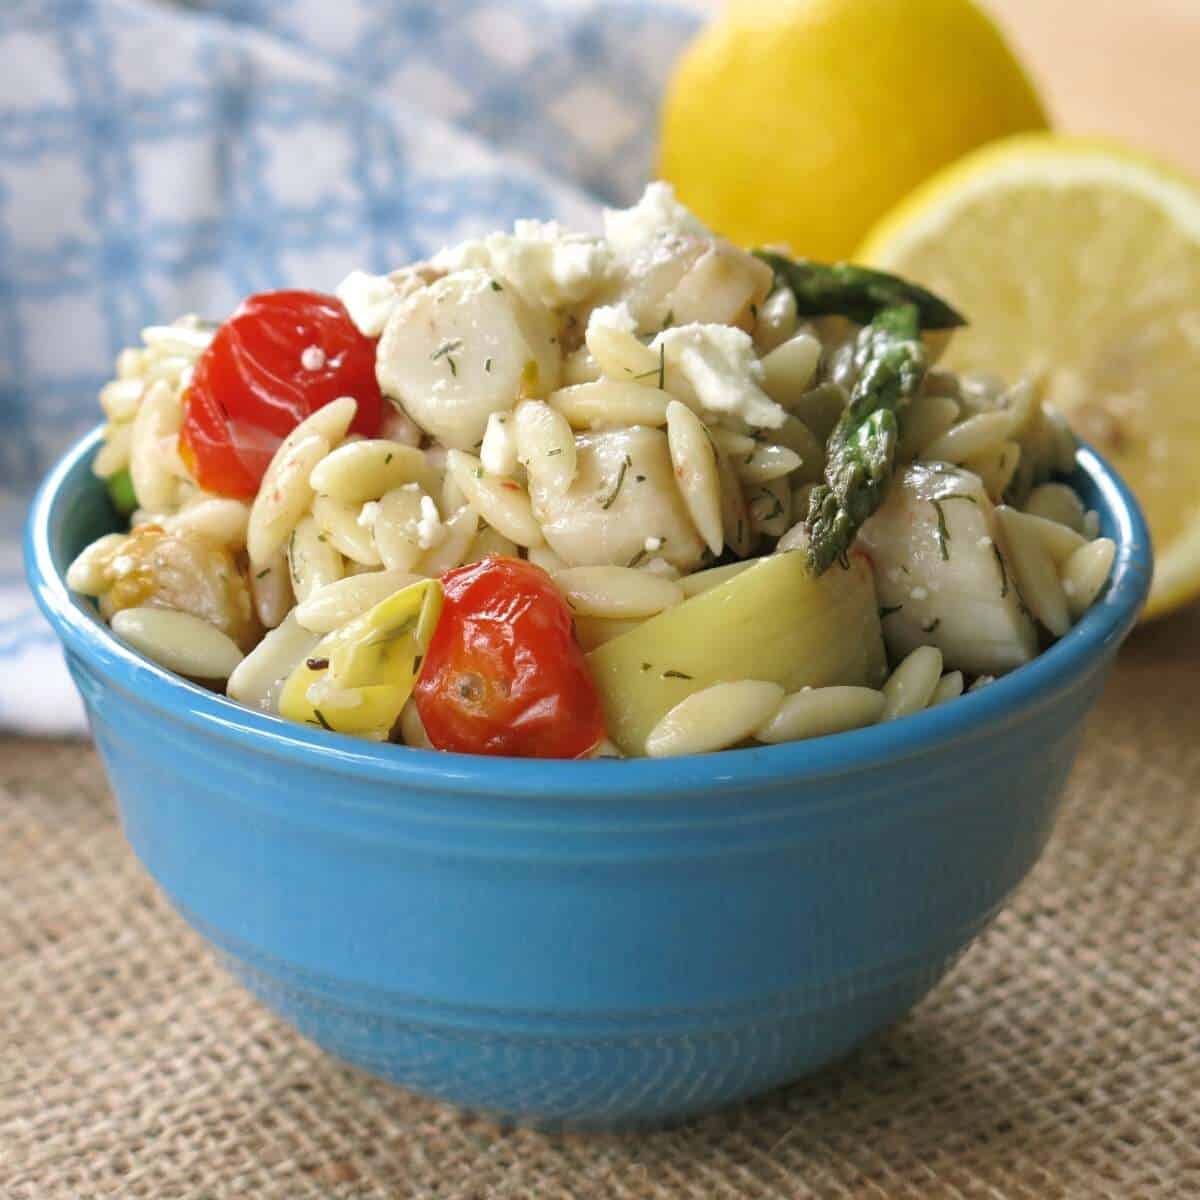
(121, 493)
(861, 449)
(848, 290)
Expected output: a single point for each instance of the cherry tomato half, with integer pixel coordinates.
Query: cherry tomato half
(504, 673)
(278, 359)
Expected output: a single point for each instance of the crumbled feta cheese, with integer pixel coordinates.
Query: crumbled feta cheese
(543, 261)
(312, 358)
(718, 363)
(919, 593)
(612, 316)
(122, 565)
(984, 542)
(652, 544)
(369, 299)
(657, 214)
(498, 453)
(430, 530)
(370, 510)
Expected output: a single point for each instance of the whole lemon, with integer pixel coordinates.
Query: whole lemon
(804, 121)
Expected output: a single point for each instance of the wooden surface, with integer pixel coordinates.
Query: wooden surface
(1127, 68)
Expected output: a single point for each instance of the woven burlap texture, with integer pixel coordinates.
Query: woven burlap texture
(1061, 1058)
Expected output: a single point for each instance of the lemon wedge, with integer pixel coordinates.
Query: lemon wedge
(1077, 263)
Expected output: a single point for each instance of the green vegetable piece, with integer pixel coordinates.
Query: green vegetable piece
(861, 451)
(121, 493)
(772, 620)
(371, 665)
(848, 290)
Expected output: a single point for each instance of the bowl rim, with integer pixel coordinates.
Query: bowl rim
(1012, 697)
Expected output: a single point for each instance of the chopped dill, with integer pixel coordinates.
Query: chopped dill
(607, 503)
(943, 534)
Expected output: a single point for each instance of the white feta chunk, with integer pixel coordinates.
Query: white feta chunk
(656, 215)
(716, 366)
(430, 530)
(369, 299)
(546, 263)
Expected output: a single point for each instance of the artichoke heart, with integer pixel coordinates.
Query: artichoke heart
(358, 678)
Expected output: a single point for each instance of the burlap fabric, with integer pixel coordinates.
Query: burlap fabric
(1060, 1059)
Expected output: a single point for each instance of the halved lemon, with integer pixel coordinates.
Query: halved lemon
(1078, 262)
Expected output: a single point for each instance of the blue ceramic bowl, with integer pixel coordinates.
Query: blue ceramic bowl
(592, 943)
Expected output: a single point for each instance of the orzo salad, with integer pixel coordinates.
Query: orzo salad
(559, 495)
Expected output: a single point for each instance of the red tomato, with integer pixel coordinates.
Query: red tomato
(503, 673)
(252, 387)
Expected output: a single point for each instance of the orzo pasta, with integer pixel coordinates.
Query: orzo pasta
(566, 495)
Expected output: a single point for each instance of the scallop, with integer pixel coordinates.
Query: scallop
(463, 348)
(623, 498)
(653, 274)
(724, 286)
(941, 574)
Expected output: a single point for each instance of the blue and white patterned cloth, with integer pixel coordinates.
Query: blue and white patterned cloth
(158, 159)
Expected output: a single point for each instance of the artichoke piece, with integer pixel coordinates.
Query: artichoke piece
(358, 678)
(775, 621)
